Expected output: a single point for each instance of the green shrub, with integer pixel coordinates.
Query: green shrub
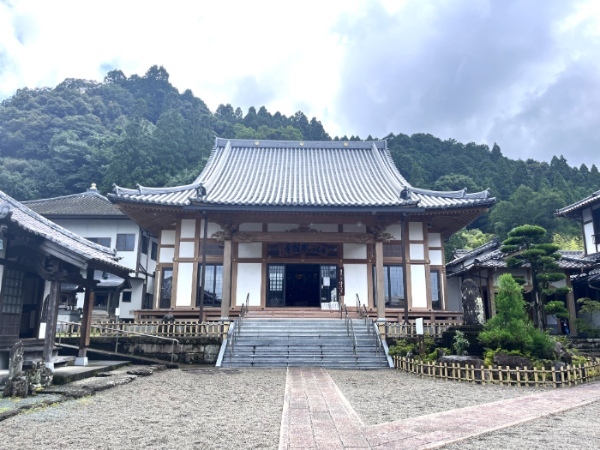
(460, 343)
(510, 329)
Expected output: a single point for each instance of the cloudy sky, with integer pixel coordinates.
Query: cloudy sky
(522, 73)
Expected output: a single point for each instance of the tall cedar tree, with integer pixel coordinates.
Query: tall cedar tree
(526, 246)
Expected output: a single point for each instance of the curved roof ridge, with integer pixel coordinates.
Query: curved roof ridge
(385, 169)
(451, 194)
(61, 197)
(142, 190)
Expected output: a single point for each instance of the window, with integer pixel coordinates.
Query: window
(275, 288)
(145, 242)
(213, 287)
(125, 242)
(105, 241)
(147, 302)
(126, 297)
(166, 287)
(393, 286)
(596, 219)
(154, 251)
(436, 290)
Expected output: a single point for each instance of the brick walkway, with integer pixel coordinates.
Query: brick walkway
(316, 415)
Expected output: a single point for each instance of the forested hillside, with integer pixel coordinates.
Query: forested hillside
(141, 130)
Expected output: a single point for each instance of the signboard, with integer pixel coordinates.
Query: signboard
(341, 284)
(419, 326)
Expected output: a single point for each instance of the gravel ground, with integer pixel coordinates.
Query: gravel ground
(399, 395)
(574, 429)
(212, 408)
(201, 409)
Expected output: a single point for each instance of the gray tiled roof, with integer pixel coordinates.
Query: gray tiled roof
(85, 204)
(489, 255)
(590, 199)
(301, 174)
(95, 255)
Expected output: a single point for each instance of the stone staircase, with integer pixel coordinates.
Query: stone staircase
(587, 346)
(304, 342)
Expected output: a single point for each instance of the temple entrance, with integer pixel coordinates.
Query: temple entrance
(301, 285)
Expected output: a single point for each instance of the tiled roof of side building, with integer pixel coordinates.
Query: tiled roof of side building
(30, 221)
(301, 174)
(575, 208)
(86, 204)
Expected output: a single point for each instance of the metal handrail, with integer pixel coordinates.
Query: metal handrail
(378, 343)
(238, 324)
(350, 329)
(173, 340)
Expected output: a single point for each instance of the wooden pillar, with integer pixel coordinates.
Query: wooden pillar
(226, 300)
(379, 281)
(52, 311)
(571, 307)
(491, 295)
(86, 320)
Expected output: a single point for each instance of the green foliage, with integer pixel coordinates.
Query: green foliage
(526, 246)
(460, 343)
(488, 355)
(567, 242)
(466, 239)
(585, 327)
(510, 329)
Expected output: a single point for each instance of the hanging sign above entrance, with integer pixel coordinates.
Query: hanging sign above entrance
(302, 250)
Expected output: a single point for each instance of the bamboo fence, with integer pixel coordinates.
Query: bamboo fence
(111, 328)
(402, 330)
(569, 375)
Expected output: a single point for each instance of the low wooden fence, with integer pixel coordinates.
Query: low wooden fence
(403, 330)
(569, 375)
(155, 328)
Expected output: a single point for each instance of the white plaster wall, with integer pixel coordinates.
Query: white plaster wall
(454, 299)
(187, 249)
(417, 251)
(280, 227)
(127, 308)
(249, 280)
(184, 284)
(436, 258)
(588, 236)
(418, 286)
(354, 228)
(415, 231)
(250, 227)
(355, 251)
(212, 228)
(167, 237)
(106, 228)
(355, 276)
(587, 214)
(188, 228)
(325, 227)
(435, 240)
(166, 255)
(395, 230)
(250, 250)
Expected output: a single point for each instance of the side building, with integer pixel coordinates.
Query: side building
(293, 227)
(36, 257)
(93, 216)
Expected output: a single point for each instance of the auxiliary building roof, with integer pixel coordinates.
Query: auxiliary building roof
(92, 255)
(575, 208)
(313, 174)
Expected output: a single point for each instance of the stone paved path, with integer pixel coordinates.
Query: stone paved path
(316, 415)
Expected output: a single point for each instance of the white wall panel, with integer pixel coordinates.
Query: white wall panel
(395, 230)
(436, 258)
(355, 251)
(187, 249)
(166, 255)
(356, 283)
(588, 232)
(415, 231)
(587, 214)
(435, 240)
(418, 286)
(184, 284)
(167, 237)
(417, 251)
(249, 280)
(250, 250)
(188, 228)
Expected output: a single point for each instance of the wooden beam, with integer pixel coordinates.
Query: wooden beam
(379, 283)
(353, 238)
(226, 296)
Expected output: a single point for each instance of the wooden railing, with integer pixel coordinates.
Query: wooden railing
(187, 328)
(555, 377)
(402, 330)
